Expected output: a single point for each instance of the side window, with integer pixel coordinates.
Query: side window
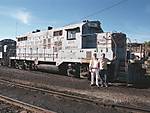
(71, 33)
(58, 33)
(22, 39)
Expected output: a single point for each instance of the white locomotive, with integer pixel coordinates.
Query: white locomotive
(71, 45)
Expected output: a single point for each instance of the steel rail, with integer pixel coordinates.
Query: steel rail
(127, 107)
(24, 105)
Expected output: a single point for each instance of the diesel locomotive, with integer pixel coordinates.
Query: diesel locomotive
(69, 46)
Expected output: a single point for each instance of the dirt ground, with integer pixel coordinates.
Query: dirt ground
(113, 94)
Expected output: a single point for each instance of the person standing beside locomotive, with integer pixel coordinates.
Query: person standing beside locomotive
(103, 61)
(94, 69)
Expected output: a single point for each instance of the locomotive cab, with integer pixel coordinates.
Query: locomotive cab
(7, 50)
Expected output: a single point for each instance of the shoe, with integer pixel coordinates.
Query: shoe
(106, 85)
(98, 86)
(101, 85)
(91, 84)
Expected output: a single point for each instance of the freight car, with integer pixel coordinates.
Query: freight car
(69, 47)
(7, 50)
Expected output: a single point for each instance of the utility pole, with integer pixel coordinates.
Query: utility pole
(16, 29)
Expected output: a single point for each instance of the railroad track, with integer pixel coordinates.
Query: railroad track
(29, 107)
(74, 97)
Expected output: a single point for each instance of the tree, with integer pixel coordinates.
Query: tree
(147, 43)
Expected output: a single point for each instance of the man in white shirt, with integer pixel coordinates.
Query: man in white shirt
(94, 69)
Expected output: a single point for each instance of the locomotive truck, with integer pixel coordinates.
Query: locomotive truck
(70, 46)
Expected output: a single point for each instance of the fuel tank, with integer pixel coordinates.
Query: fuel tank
(48, 68)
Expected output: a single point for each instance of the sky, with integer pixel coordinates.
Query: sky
(131, 17)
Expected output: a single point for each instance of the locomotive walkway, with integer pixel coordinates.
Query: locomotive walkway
(114, 94)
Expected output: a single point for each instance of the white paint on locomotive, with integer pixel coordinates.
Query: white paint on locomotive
(70, 44)
(63, 44)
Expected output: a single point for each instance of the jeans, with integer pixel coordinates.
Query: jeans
(103, 77)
